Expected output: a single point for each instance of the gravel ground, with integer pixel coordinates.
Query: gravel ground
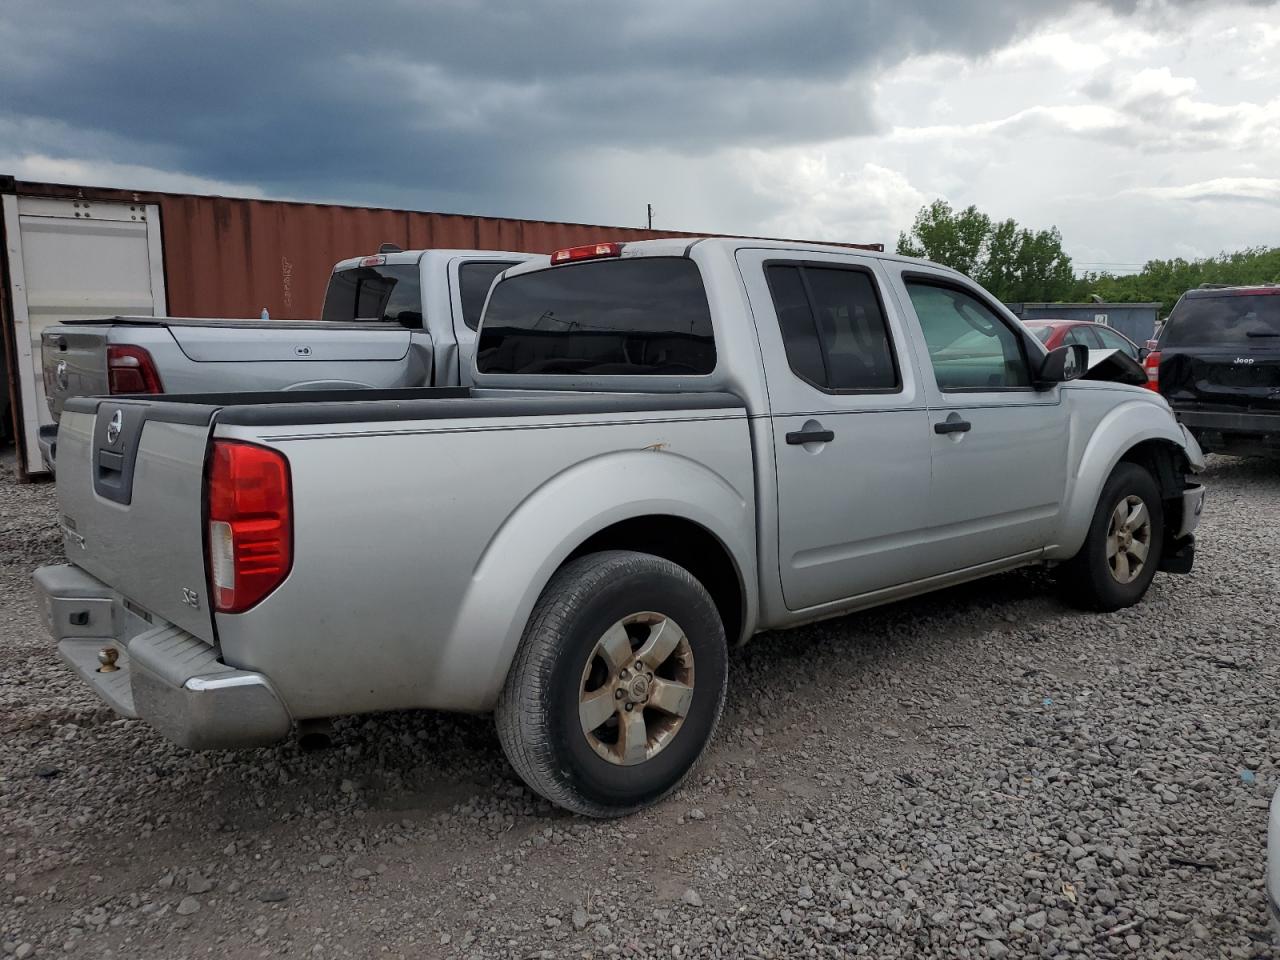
(982, 773)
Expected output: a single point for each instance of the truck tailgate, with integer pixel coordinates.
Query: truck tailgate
(130, 496)
(74, 363)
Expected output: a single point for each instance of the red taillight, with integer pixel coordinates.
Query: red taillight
(1152, 365)
(589, 251)
(130, 369)
(373, 261)
(250, 523)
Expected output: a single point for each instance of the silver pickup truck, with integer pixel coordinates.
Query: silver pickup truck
(399, 318)
(668, 447)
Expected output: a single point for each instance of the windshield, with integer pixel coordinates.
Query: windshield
(1230, 319)
(390, 293)
(646, 315)
(1042, 333)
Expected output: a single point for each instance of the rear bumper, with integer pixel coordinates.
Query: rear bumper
(47, 441)
(1224, 430)
(164, 675)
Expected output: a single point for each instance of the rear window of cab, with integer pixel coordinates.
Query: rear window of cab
(644, 316)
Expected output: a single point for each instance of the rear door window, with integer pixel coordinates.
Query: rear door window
(474, 280)
(970, 347)
(1228, 320)
(1115, 341)
(1083, 335)
(833, 327)
(389, 293)
(643, 316)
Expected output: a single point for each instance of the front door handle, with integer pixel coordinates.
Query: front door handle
(810, 436)
(955, 425)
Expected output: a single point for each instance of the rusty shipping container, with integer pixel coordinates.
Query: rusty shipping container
(212, 257)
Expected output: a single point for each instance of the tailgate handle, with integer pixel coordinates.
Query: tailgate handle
(109, 463)
(116, 437)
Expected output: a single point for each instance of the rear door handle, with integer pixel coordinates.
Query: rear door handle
(810, 436)
(953, 426)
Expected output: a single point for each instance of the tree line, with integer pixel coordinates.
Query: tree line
(1018, 264)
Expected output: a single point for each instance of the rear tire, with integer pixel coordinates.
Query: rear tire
(617, 686)
(1122, 550)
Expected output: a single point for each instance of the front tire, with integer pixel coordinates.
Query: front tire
(617, 685)
(1122, 550)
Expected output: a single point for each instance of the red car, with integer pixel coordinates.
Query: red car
(1095, 336)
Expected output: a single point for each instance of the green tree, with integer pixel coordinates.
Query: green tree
(1014, 263)
(1165, 281)
(945, 236)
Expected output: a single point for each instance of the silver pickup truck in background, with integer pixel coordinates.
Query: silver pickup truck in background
(395, 319)
(668, 447)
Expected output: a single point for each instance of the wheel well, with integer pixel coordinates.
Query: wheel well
(685, 543)
(1166, 462)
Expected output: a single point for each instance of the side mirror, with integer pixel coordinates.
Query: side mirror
(1069, 362)
(1143, 353)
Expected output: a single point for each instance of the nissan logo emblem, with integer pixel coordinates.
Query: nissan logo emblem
(115, 426)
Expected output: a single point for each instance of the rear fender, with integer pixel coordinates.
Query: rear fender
(1122, 429)
(544, 530)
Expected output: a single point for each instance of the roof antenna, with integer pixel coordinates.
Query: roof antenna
(389, 248)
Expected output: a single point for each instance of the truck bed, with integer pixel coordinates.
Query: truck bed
(441, 491)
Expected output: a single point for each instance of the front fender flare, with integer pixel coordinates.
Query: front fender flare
(548, 525)
(1123, 428)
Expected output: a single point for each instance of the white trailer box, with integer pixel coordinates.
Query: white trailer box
(69, 259)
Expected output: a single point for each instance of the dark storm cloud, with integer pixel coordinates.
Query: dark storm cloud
(450, 99)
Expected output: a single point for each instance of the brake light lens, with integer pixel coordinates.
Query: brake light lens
(1152, 365)
(589, 251)
(130, 369)
(373, 261)
(250, 510)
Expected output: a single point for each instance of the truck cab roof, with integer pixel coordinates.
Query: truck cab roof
(683, 246)
(413, 256)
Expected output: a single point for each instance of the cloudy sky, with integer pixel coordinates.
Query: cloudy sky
(1141, 128)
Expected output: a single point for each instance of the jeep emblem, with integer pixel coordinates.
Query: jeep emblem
(115, 426)
(1244, 359)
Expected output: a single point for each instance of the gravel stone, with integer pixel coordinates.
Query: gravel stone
(1055, 784)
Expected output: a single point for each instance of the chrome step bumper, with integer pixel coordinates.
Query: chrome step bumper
(163, 675)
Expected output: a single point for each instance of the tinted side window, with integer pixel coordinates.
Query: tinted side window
(1082, 335)
(1114, 341)
(390, 293)
(795, 320)
(644, 315)
(474, 281)
(970, 347)
(833, 327)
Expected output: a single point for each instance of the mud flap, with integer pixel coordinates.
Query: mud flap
(1178, 555)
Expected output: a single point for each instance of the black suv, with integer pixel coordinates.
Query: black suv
(1217, 362)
